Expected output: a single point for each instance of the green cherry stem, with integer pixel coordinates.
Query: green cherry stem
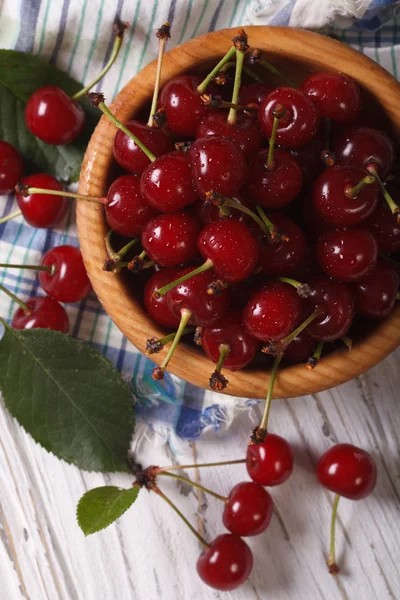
(223, 463)
(398, 296)
(386, 257)
(195, 484)
(347, 342)
(315, 357)
(181, 515)
(224, 202)
(163, 35)
(154, 345)
(17, 213)
(392, 204)
(256, 58)
(15, 298)
(232, 116)
(204, 84)
(117, 256)
(158, 372)
(49, 268)
(278, 112)
(332, 566)
(26, 190)
(276, 348)
(249, 72)
(268, 401)
(303, 289)
(119, 29)
(352, 192)
(217, 381)
(97, 99)
(206, 266)
(275, 234)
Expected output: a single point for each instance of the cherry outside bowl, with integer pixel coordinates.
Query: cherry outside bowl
(298, 53)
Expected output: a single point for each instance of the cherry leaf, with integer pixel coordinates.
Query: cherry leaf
(100, 507)
(68, 397)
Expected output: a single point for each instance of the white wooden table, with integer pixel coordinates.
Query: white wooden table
(150, 555)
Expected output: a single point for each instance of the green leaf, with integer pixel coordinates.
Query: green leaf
(20, 75)
(102, 506)
(68, 397)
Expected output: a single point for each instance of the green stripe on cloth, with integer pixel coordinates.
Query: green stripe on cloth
(150, 33)
(234, 13)
(205, 6)
(77, 38)
(188, 11)
(43, 34)
(94, 41)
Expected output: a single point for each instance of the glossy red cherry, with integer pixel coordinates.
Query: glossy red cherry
(42, 210)
(248, 510)
(192, 295)
(127, 212)
(217, 164)
(229, 330)
(53, 116)
(167, 184)
(231, 247)
(336, 303)
(365, 147)
(348, 471)
(278, 186)
(171, 239)
(300, 348)
(384, 226)
(226, 563)
(270, 462)
(183, 105)
(46, 313)
(338, 202)
(158, 308)
(128, 154)
(68, 281)
(376, 293)
(11, 167)
(283, 258)
(300, 123)
(347, 255)
(273, 312)
(336, 96)
(253, 93)
(245, 133)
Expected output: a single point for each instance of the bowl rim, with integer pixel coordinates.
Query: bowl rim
(188, 363)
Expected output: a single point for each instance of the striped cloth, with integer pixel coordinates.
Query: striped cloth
(75, 35)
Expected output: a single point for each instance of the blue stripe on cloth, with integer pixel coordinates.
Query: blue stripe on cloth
(29, 14)
(61, 31)
(215, 16)
(283, 16)
(171, 12)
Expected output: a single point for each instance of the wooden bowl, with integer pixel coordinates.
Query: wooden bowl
(297, 53)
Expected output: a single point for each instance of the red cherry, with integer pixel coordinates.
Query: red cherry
(300, 348)
(231, 247)
(283, 258)
(270, 462)
(253, 93)
(158, 308)
(207, 212)
(167, 184)
(11, 167)
(336, 96)
(192, 295)
(300, 123)
(127, 212)
(314, 224)
(333, 199)
(53, 116)
(46, 313)
(365, 147)
(336, 303)
(385, 227)
(226, 563)
(217, 164)
(348, 471)
(376, 293)
(129, 156)
(171, 239)
(68, 281)
(248, 510)
(42, 210)
(273, 312)
(183, 105)
(309, 158)
(276, 187)
(245, 133)
(347, 255)
(229, 330)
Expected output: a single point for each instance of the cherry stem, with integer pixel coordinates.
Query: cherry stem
(195, 484)
(206, 266)
(49, 268)
(158, 372)
(180, 514)
(153, 346)
(217, 381)
(246, 70)
(224, 349)
(289, 338)
(273, 231)
(303, 289)
(204, 84)
(352, 192)
(315, 357)
(98, 100)
(278, 112)
(117, 256)
(333, 568)
(217, 102)
(201, 465)
(232, 116)
(17, 213)
(267, 65)
(26, 190)
(163, 35)
(267, 409)
(119, 29)
(392, 204)
(347, 342)
(24, 307)
(398, 296)
(390, 260)
(224, 202)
